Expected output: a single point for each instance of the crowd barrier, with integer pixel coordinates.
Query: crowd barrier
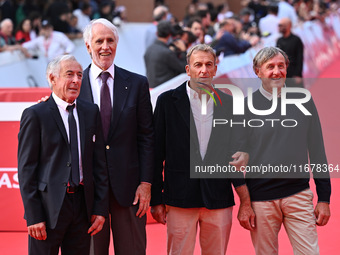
(322, 45)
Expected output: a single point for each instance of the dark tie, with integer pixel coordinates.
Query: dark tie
(74, 178)
(105, 104)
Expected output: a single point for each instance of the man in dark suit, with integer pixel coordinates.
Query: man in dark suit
(128, 143)
(163, 64)
(61, 166)
(186, 140)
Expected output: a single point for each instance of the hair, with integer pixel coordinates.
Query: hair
(53, 67)
(164, 28)
(160, 12)
(3, 22)
(87, 33)
(193, 20)
(201, 47)
(266, 54)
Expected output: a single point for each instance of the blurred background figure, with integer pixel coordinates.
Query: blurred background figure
(161, 63)
(83, 14)
(23, 32)
(50, 43)
(269, 25)
(7, 40)
(292, 45)
(159, 13)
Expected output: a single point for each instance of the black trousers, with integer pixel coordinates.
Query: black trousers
(70, 234)
(128, 230)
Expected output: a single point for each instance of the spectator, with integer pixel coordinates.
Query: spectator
(35, 18)
(23, 33)
(83, 16)
(292, 45)
(105, 11)
(74, 32)
(269, 25)
(286, 10)
(159, 13)
(229, 44)
(224, 12)
(50, 43)
(196, 28)
(7, 40)
(208, 30)
(161, 63)
(259, 8)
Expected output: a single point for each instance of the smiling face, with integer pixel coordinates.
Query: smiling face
(201, 68)
(67, 85)
(273, 73)
(102, 46)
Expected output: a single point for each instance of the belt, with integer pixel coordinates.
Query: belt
(74, 189)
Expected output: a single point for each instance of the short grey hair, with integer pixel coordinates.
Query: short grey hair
(3, 23)
(54, 66)
(201, 47)
(87, 33)
(266, 54)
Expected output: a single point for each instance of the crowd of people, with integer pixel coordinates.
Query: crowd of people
(93, 156)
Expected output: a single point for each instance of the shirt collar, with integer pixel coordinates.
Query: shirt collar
(96, 71)
(192, 94)
(267, 94)
(61, 103)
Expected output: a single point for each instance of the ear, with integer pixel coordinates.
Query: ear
(88, 48)
(187, 69)
(52, 79)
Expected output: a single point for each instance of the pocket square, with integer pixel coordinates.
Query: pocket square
(94, 138)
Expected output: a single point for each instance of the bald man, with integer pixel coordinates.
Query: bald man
(292, 45)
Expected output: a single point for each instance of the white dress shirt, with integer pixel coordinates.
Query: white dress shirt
(56, 45)
(96, 82)
(203, 122)
(64, 115)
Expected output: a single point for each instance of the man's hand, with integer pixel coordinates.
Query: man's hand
(240, 159)
(159, 213)
(38, 231)
(322, 213)
(246, 216)
(143, 195)
(97, 222)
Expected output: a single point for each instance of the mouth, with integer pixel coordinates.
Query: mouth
(105, 54)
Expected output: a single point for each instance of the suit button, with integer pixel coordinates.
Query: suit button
(107, 147)
(68, 164)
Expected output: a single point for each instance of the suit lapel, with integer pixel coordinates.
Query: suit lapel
(81, 118)
(56, 116)
(121, 90)
(85, 90)
(184, 110)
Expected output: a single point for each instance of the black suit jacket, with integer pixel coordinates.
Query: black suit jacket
(129, 147)
(44, 161)
(177, 144)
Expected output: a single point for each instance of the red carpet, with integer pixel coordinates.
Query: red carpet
(326, 92)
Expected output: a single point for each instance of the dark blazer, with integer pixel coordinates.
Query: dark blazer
(44, 161)
(177, 143)
(129, 147)
(162, 64)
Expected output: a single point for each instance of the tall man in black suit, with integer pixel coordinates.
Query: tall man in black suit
(63, 184)
(186, 139)
(128, 144)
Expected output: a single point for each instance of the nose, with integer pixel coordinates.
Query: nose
(105, 45)
(204, 69)
(76, 78)
(276, 70)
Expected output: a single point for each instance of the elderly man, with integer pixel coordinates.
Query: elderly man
(124, 101)
(185, 139)
(289, 141)
(7, 40)
(61, 166)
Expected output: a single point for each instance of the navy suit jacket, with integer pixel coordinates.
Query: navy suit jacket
(44, 158)
(129, 146)
(177, 145)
